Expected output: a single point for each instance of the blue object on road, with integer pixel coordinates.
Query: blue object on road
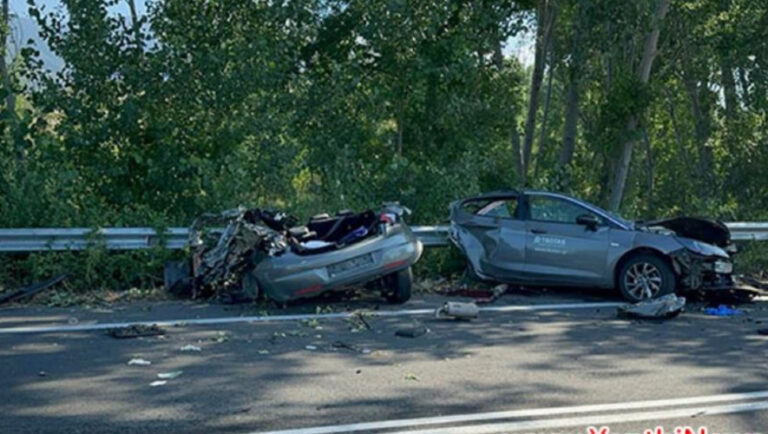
(722, 310)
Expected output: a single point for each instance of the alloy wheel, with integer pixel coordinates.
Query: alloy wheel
(643, 280)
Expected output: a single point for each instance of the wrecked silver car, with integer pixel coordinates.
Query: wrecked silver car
(538, 238)
(261, 253)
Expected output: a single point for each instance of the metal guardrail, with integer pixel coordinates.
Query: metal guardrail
(58, 239)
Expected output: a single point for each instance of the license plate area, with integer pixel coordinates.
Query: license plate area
(350, 264)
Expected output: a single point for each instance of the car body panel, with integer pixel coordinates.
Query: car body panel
(539, 252)
(291, 276)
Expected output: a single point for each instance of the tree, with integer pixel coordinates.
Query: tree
(643, 74)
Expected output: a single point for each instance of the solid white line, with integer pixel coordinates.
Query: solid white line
(600, 420)
(298, 317)
(548, 411)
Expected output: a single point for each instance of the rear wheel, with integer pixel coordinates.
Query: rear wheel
(644, 277)
(397, 286)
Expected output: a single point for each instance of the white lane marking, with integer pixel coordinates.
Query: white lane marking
(533, 412)
(600, 420)
(298, 317)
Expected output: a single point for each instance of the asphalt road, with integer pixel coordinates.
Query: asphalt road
(253, 377)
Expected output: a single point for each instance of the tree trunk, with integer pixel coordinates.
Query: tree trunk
(136, 26)
(518, 158)
(5, 25)
(571, 124)
(544, 121)
(729, 88)
(399, 136)
(546, 14)
(648, 171)
(644, 73)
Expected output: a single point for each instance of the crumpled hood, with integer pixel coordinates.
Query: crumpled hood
(696, 229)
(701, 248)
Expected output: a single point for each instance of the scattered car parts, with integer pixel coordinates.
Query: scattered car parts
(457, 310)
(664, 307)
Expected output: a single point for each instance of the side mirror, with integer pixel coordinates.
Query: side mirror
(589, 220)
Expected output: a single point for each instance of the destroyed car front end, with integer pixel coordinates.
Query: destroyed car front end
(538, 238)
(703, 261)
(268, 254)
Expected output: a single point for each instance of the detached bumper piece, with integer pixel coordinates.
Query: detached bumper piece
(668, 306)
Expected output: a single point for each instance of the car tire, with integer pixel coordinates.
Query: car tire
(398, 286)
(644, 277)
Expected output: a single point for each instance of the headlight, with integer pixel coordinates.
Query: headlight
(723, 267)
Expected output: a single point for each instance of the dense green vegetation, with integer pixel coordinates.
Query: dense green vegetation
(650, 107)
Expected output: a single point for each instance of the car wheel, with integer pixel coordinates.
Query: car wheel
(398, 286)
(644, 277)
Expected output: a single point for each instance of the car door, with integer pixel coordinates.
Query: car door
(558, 249)
(492, 234)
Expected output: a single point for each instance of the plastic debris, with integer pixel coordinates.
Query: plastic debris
(413, 331)
(190, 347)
(169, 375)
(667, 306)
(158, 383)
(411, 377)
(139, 362)
(311, 347)
(722, 310)
(457, 310)
(135, 331)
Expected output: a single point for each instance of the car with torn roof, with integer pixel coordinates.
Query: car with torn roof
(263, 253)
(539, 238)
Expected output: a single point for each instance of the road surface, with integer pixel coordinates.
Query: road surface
(554, 370)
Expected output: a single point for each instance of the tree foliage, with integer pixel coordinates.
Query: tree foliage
(322, 105)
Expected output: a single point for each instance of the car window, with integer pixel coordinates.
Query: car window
(502, 208)
(498, 208)
(551, 209)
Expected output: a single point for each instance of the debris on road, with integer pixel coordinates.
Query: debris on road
(221, 337)
(722, 310)
(31, 290)
(169, 375)
(135, 331)
(413, 331)
(481, 296)
(139, 362)
(665, 307)
(457, 310)
(158, 383)
(350, 347)
(411, 377)
(190, 347)
(357, 323)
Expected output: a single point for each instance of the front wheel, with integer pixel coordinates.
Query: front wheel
(398, 286)
(644, 277)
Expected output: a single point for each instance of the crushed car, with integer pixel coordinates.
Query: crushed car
(539, 238)
(263, 253)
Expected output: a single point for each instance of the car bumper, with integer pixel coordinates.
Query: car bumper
(291, 276)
